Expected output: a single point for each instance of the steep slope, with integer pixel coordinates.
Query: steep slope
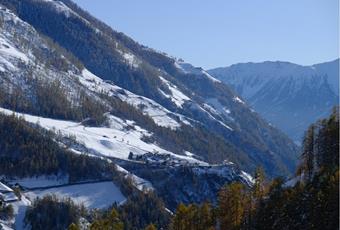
(199, 114)
(93, 121)
(290, 96)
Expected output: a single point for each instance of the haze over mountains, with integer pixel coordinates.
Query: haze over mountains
(288, 95)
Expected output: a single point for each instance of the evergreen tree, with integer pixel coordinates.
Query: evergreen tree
(110, 222)
(151, 227)
(179, 221)
(259, 187)
(193, 217)
(232, 200)
(73, 226)
(308, 157)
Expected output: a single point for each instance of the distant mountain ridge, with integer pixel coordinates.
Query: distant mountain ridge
(288, 95)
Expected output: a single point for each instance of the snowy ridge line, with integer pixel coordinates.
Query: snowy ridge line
(188, 68)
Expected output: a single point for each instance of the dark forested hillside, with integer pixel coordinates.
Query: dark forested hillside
(82, 105)
(309, 201)
(138, 212)
(27, 151)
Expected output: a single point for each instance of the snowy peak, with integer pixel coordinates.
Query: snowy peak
(252, 74)
(288, 95)
(188, 68)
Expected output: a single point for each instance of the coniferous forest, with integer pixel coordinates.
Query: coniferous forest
(101, 132)
(309, 200)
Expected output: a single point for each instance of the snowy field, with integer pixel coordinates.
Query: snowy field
(94, 195)
(114, 141)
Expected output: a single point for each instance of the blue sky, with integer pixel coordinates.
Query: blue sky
(223, 32)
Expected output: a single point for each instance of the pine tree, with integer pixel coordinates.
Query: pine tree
(232, 200)
(206, 217)
(111, 222)
(308, 154)
(151, 227)
(73, 226)
(179, 221)
(258, 187)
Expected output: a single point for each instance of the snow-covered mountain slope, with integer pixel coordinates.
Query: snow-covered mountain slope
(289, 96)
(158, 113)
(20, 61)
(101, 70)
(144, 168)
(117, 140)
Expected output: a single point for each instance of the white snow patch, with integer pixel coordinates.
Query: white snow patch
(103, 141)
(190, 154)
(210, 108)
(20, 208)
(5, 188)
(140, 183)
(210, 77)
(188, 68)
(7, 49)
(93, 195)
(177, 96)
(9, 55)
(227, 110)
(247, 177)
(179, 67)
(213, 118)
(149, 107)
(237, 99)
(3, 226)
(131, 59)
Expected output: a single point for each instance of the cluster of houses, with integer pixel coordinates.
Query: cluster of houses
(7, 194)
(160, 159)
